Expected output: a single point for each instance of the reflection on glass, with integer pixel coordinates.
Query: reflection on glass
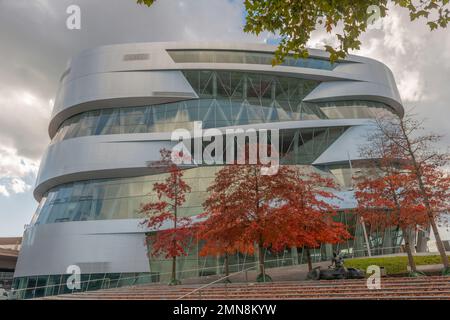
(121, 198)
(229, 56)
(226, 99)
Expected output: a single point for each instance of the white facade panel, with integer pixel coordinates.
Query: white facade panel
(144, 74)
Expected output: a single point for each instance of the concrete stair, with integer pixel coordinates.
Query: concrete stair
(431, 287)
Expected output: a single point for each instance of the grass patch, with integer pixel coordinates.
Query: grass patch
(392, 265)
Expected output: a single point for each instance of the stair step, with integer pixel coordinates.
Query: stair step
(436, 287)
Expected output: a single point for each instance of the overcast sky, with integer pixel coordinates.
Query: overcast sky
(35, 46)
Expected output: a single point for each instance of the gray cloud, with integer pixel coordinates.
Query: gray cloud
(36, 46)
(420, 62)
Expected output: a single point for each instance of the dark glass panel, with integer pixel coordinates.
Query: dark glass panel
(247, 57)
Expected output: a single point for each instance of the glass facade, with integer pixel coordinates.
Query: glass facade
(346, 176)
(226, 99)
(121, 198)
(193, 265)
(50, 285)
(249, 57)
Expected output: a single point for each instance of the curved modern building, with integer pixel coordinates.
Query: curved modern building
(116, 108)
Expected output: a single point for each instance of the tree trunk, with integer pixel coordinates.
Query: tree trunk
(422, 239)
(175, 220)
(261, 259)
(308, 258)
(437, 236)
(439, 243)
(227, 270)
(434, 227)
(174, 269)
(426, 201)
(411, 262)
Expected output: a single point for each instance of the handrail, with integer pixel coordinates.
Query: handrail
(215, 281)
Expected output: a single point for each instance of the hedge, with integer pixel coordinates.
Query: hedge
(392, 265)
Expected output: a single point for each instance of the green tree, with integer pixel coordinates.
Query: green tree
(295, 20)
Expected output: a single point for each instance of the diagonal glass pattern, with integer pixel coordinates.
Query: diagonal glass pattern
(120, 198)
(226, 99)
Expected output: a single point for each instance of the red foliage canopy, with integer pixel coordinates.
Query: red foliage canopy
(391, 199)
(307, 213)
(286, 209)
(162, 215)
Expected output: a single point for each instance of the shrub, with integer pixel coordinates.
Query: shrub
(392, 265)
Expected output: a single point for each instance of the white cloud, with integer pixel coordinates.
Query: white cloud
(395, 33)
(19, 186)
(14, 165)
(395, 45)
(23, 137)
(4, 191)
(411, 86)
(16, 172)
(36, 46)
(420, 62)
(24, 121)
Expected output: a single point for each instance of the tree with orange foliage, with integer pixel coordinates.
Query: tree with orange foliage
(220, 239)
(391, 200)
(289, 209)
(240, 211)
(171, 231)
(307, 212)
(389, 197)
(406, 144)
(217, 239)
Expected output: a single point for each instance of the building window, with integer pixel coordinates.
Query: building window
(247, 57)
(227, 98)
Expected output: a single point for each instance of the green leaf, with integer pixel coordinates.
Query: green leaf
(148, 3)
(295, 20)
(432, 25)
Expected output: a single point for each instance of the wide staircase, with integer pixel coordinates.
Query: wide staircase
(431, 287)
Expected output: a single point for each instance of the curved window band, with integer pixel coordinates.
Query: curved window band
(120, 198)
(226, 99)
(247, 57)
(213, 113)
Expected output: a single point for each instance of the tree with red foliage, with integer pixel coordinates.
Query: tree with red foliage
(172, 232)
(404, 140)
(289, 209)
(389, 197)
(307, 212)
(391, 200)
(219, 239)
(240, 211)
(218, 242)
